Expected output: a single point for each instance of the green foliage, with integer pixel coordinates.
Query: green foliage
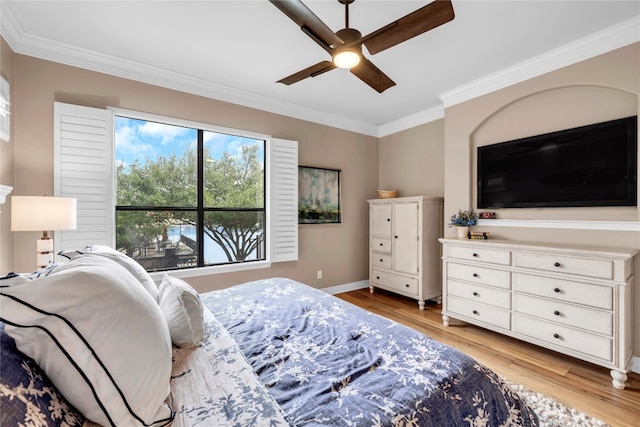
(171, 182)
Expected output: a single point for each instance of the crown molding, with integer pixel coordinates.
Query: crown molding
(39, 47)
(598, 43)
(614, 37)
(412, 120)
(562, 224)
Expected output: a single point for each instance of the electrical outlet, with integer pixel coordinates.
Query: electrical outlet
(319, 274)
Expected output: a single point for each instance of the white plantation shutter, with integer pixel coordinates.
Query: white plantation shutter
(84, 169)
(283, 202)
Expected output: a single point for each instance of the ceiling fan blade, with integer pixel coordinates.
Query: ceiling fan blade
(372, 75)
(309, 23)
(314, 70)
(418, 22)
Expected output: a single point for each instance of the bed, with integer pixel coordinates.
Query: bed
(272, 352)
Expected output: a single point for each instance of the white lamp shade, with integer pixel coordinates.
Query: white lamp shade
(34, 213)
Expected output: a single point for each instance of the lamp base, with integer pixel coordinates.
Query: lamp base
(44, 252)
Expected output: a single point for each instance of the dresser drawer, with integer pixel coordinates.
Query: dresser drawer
(484, 294)
(406, 285)
(564, 290)
(594, 320)
(492, 256)
(380, 245)
(485, 276)
(480, 312)
(572, 339)
(599, 268)
(381, 260)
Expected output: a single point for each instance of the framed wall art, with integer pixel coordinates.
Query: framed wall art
(318, 195)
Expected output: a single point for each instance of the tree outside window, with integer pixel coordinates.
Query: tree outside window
(188, 197)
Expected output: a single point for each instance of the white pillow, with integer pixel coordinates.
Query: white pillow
(127, 262)
(99, 337)
(182, 309)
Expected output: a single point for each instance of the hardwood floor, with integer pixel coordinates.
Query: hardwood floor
(580, 385)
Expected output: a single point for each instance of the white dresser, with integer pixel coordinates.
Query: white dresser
(404, 252)
(572, 299)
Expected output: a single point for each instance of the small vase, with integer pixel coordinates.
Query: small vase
(463, 232)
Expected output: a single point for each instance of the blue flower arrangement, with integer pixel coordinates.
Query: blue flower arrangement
(466, 218)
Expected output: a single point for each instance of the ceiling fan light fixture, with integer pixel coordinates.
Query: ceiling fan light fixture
(346, 58)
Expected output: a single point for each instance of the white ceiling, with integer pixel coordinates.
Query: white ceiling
(236, 50)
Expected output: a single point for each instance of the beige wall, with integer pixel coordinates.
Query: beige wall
(412, 161)
(6, 165)
(599, 89)
(432, 159)
(337, 249)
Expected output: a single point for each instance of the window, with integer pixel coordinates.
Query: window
(188, 197)
(86, 165)
(5, 109)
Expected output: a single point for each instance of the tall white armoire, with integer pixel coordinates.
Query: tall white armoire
(404, 251)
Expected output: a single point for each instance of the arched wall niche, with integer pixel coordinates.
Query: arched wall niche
(552, 110)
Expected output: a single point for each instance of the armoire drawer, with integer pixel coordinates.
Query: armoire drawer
(492, 256)
(598, 268)
(600, 321)
(407, 285)
(380, 245)
(485, 294)
(570, 338)
(475, 274)
(478, 311)
(564, 290)
(381, 260)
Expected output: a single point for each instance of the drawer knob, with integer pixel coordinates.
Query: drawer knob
(388, 219)
(381, 244)
(556, 264)
(407, 285)
(557, 313)
(475, 294)
(378, 277)
(475, 311)
(396, 237)
(475, 255)
(381, 260)
(475, 274)
(556, 290)
(556, 336)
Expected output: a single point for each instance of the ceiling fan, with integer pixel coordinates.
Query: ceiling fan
(345, 46)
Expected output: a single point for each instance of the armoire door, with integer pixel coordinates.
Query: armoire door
(381, 220)
(405, 237)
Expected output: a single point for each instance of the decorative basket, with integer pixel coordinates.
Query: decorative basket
(387, 194)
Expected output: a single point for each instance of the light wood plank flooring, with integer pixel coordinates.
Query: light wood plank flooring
(575, 383)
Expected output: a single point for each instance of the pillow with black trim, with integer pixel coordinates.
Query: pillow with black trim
(69, 253)
(26, 393)
(100, 338)
(182, 309)
(127, 262)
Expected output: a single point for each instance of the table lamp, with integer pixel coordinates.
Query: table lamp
(42, 213)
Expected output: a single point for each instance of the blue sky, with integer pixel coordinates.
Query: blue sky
(143, 140)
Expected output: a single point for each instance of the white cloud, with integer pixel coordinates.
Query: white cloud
(166, 133)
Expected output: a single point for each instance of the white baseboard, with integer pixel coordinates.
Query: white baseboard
(635, 364)
(346, 287)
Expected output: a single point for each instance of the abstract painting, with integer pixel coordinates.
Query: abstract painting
(318, 195)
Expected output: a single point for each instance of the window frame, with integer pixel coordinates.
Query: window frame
(84, 141)
(199, 209)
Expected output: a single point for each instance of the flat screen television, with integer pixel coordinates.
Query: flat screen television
(593, 165)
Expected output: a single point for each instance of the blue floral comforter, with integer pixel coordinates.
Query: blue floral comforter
(327, 362)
